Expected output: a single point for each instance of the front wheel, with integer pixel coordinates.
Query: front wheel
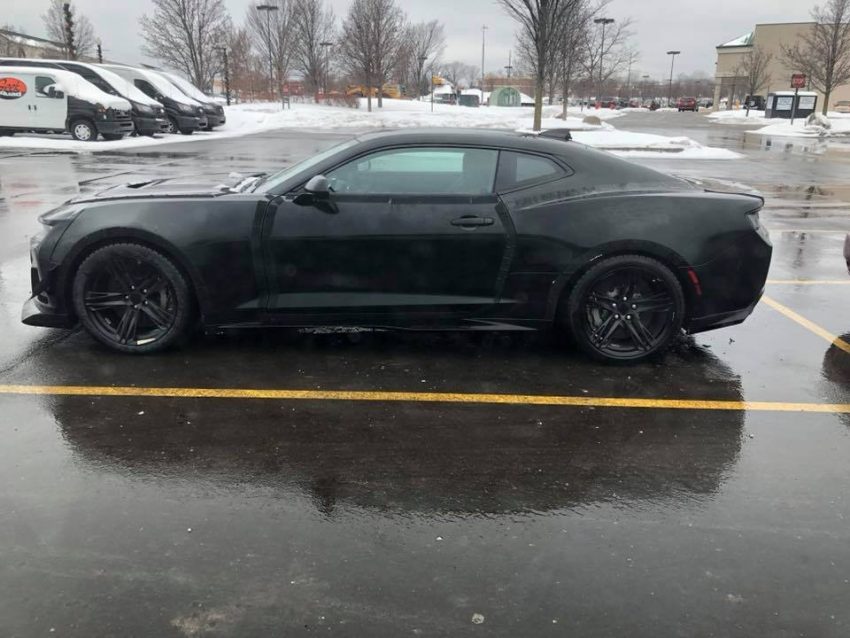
(132, 298)
(187, 131)
(626, 309)
(172, 126)
(113, 137)
(83, 131)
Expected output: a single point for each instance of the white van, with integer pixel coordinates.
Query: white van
(184, 114)
(46, 100)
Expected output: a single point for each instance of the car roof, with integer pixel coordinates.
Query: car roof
(520, 140)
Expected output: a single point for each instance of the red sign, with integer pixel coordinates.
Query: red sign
(12, 88)
(798, 81)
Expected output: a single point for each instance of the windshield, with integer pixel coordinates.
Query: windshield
(125, 88)
(187, 87)
(165, 87)
(269, 183)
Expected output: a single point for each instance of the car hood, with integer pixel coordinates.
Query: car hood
(207, 186)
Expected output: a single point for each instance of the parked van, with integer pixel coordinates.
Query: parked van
(47, 100)
(148, 115)
(214, 112)
(184, 114)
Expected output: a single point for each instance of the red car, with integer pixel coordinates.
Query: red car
(687, 104)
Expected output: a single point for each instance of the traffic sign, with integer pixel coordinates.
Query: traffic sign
(798, 81)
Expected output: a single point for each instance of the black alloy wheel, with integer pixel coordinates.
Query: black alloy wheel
(626, 309)
(172, 126)
(132, 298)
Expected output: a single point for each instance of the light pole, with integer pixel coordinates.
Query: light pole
(226, 74)
(510, 66)
(268, 8)
(672, 55)
(483, 39)
(327, 46)
(643, 89)
(603, 22)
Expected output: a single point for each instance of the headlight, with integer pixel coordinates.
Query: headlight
(100, 108)
(142, 108)
(187, 108)
(61, 214)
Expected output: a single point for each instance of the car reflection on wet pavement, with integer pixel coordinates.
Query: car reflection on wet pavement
(206, 515)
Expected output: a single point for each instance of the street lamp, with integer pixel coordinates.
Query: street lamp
(510, 66)
(268, 8)
(643, 89)
(672, 55)
(603, 22)
(327, 46)
(226, 74)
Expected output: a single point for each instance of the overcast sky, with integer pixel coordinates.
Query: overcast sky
(693, 26)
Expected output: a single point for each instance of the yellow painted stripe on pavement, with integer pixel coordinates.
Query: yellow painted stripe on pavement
(811, 326)
(809, 282)
(422, 397)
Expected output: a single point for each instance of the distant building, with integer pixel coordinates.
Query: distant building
(21, 45)
(729, 85)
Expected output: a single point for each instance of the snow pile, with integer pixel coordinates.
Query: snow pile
(248, 119)
(816, 125)
(737, 116)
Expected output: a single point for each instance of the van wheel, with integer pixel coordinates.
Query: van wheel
(6, 133)
(83, 131)
(112, 137)
(187, 131)
(172, 126)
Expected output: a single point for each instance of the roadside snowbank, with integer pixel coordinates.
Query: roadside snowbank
(737, 117)
(249, 119)
(839, 126)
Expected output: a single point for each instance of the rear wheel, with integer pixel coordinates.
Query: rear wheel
(83, 131)
(132, 299)
(172, 126)
(626, 309)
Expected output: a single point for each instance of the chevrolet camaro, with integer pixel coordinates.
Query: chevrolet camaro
(414, 230)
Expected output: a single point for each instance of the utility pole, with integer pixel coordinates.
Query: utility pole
(268, 8)
(226, 74)
(99, 52)
(483, 40)
(71, 48)
(510, 66)
(672, 55)
(603, 22)
(326, 45)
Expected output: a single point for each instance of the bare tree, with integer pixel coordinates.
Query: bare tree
(183, 34)
(605, 57)
(242, 63)
(273, 35)
(753, 70)
(573, 33)
(426, 41)
(540, 22)
(80, 41)
(458, 73)
(314, 24)
(823, 52)
(372, 38)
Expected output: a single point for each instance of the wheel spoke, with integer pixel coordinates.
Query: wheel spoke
(610, 326)
(638, 337)
(118, 269)
(601, 302)
(128, 325)
(161, 316)
(649, 338)
(656, 303)
(100, 301)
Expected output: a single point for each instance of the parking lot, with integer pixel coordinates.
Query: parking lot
(377, 484)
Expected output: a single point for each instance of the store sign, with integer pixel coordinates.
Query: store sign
(784, 103)
(12, 88)
(798, 81)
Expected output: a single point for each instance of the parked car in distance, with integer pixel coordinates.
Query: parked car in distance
(608, 103)
(49, 100)
(687, 104)
(213, 110)
(148, 115)
(756, 102)
(184, 114)
(419, 229)
(842, 106)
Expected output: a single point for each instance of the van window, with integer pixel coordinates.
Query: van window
(146, 88)
(42, 82)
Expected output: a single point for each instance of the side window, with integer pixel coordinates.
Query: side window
(419, 171)
(42, 85)
(519, 169)
(145, 88)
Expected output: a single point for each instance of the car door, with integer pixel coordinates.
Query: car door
(15, 100)
(409, 235)
(50, 106)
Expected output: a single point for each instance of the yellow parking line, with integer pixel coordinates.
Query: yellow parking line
(422, 397)
(809, 282)
(811, 326)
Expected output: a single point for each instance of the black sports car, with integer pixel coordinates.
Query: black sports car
(418, 229)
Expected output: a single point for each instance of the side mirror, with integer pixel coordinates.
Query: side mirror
(319, 187)
(55, 91)
(317, 192)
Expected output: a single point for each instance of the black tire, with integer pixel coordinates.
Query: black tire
(187, 131)
(625, 309)
(132, 298)
(172, 126)
(83, 130)
(6, 133)
(113, 137)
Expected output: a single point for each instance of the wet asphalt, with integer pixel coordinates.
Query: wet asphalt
(145, 516)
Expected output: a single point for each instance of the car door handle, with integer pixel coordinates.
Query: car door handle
(471, 221)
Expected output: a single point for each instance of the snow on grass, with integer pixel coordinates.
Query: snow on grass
(248, 119)
(839, 127)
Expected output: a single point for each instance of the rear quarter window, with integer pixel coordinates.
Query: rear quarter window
(518, 170)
